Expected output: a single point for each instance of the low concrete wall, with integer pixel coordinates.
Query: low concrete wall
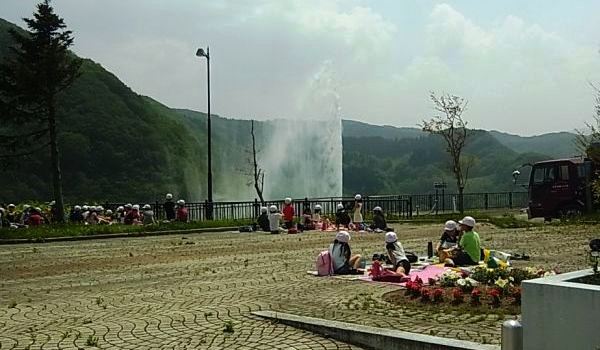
(371, 337)
(559, 314)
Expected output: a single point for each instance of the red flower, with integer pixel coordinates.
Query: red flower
(438, 294)
(457, 294)
(425, 294)
(418, 280)
(476, 293)
(494, 293)
(432, 281)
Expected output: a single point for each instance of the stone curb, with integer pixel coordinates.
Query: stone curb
(114, 235)
(372, 337)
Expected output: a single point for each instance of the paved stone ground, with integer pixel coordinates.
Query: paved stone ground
(179, 292)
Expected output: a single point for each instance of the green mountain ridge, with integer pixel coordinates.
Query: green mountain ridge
(120, 146)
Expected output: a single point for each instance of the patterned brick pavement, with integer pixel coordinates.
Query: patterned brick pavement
(182, 292)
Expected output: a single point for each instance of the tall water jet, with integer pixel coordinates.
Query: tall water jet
(304, 155)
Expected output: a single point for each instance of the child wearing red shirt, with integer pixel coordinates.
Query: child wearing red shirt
(288, 213)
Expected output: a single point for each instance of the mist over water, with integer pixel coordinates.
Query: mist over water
(303, 157)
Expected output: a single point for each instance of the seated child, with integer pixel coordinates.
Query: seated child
(344, 263)
(274, 217)
(263, 220)
(379, 223)
(342, 218)
(448, 241)
(396, 254)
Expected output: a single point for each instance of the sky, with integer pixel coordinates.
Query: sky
(524, 66)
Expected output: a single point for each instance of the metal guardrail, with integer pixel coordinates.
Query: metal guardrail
(394, 206)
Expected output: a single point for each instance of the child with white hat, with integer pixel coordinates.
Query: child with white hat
(344, 263)
(396, 254)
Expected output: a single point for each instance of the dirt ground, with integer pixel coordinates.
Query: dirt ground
(181, 292)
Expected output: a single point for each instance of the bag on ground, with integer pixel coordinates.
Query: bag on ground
(324, 264)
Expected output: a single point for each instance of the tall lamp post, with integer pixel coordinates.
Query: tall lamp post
(209, 211)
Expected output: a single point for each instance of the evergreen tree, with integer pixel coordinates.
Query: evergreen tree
(38, 70)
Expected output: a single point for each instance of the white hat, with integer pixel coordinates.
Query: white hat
(343, 236)
(120, 208)
(26, 206)
(181, 202)
(272, 209)
(147, 206)
(450, 225)
(468, 221)
(318, 207)
(85, 207)
(358, 197)
(288, 200)
(340, 206)
(11, 205)
(52, 203)
(263, 209)
(100, 208)
(77, 208)
(136, 207)
(128, 206)
(377, 209)
(169, 196)
(109, 212)
(390, 237)
(38, 209)
(92, 208)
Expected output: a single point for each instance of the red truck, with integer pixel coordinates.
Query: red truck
(560, 188)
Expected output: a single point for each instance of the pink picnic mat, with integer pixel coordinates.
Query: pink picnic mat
(431, 271)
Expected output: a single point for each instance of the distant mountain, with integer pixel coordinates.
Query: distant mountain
(555, 145)
(352, 128)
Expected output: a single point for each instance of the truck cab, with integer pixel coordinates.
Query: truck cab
(559, 188)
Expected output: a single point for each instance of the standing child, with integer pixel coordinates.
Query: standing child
(396, 254)
(169, 207)
(288, 213)
(358, 218)
(274, 217)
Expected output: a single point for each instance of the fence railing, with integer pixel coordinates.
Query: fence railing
(396, 206)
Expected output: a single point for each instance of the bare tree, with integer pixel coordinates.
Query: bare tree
(257, 174)
(450, 125)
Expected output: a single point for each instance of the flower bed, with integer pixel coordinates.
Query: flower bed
(485, 290)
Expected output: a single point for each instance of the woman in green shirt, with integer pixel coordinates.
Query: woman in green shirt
(469, 246)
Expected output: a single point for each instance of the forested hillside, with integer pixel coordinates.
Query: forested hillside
(117, 145)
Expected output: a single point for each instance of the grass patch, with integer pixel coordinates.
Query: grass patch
(70, 230)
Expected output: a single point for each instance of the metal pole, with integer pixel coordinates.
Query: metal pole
(210, 185)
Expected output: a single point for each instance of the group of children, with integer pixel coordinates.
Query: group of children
(459, 246)
(270, 218)
(128, 214)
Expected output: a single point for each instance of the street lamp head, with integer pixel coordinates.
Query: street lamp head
(201, 53)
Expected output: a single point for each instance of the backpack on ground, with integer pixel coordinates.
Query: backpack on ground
(324, 264)
(412, 257)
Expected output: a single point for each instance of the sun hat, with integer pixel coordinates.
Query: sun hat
(358, 197)
(288, 200)
(340, 206)
(318, 207)
(136, 207)
(467, 221)
(450, 225)
(343, 236)
(147, 207)
(263, 209)
(272, 209)
(377, 209)
(390, 237)
(169, 196)
(128, 205)
(181, 202)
